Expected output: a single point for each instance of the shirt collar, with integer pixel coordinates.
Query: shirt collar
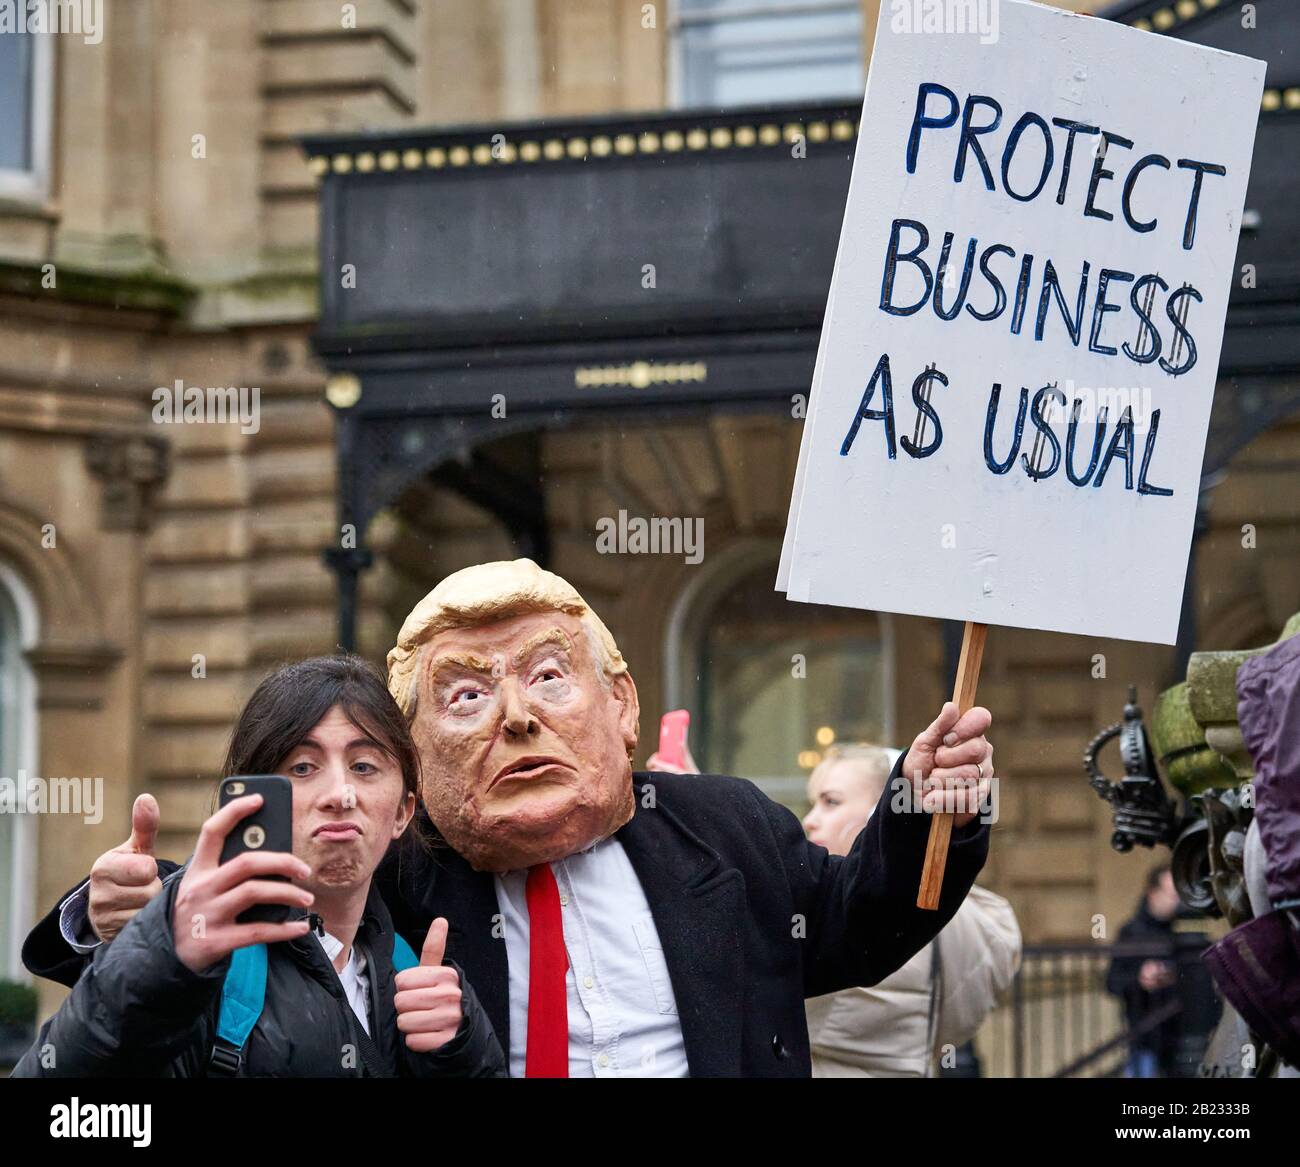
(333, 946)
(585, 851)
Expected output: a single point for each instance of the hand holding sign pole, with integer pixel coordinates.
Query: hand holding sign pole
(963, 694)
(1021, 340)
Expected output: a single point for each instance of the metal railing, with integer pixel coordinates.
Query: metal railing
(1058, 1020)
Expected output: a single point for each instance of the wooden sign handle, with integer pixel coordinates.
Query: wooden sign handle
(963, 693)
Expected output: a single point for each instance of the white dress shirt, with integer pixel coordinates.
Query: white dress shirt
(356, 984)
(74, 921)
(622, 1013)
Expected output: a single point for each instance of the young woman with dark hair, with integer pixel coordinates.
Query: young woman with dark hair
(165, 996)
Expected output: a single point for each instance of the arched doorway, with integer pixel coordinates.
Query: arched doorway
(18, 633)
(771, 684)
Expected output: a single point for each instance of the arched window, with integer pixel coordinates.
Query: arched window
(17, 763)
(770, 683)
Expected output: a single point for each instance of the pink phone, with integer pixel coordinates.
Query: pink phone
(672, 737)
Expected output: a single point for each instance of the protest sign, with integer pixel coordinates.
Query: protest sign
(1019, 352)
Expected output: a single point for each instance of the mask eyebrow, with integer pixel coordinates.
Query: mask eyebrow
(556, 636)
(463, 661)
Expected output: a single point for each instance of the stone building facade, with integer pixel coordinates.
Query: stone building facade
(162, 227)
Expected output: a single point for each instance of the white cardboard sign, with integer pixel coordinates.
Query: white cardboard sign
(1018, 358)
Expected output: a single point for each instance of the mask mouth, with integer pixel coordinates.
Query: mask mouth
(532, 766)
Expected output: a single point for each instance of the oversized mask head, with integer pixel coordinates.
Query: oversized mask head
(524, 714)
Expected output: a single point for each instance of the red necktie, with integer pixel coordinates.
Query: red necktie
(547, 1053)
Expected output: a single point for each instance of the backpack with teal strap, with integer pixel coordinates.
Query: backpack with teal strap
(243, 996)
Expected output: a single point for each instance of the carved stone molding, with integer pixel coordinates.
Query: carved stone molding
(132, 467)
(71, 676)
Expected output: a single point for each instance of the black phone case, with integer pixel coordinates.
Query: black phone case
(270, 828)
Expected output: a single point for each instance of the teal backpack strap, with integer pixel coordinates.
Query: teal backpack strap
(242, 998)
(244, 994)
(403, 954)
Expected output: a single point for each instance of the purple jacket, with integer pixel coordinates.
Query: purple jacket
(1257, 966)
(1268, 707)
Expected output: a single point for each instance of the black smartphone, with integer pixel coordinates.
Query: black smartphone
(269, 828)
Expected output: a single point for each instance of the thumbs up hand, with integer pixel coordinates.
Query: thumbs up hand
(428, 997)
(124, 879)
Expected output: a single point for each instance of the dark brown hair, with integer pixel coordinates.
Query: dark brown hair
(290, 702)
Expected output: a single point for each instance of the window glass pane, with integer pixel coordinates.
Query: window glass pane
(15, 101)
(9, 689)
(786, 56)
(755, 717)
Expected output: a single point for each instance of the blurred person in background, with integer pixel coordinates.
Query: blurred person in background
(921, 1015)
(1164, 976)
(1146, 984)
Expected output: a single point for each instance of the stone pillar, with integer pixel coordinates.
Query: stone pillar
(104, 143)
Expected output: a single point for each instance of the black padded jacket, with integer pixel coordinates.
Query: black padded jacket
(138, 1011)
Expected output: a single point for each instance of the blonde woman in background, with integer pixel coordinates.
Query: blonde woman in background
(899, 1027)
